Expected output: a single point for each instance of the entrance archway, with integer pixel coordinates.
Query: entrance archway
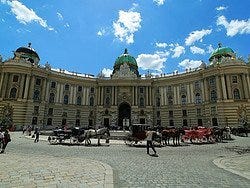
(124, 113)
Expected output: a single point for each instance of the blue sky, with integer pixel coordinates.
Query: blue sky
(87, 36)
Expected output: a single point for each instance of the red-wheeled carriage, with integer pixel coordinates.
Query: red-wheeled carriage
(199, 134)
(137, 134)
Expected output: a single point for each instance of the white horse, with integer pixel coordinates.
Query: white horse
(92, 133)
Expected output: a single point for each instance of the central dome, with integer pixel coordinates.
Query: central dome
(127, 59)
(27, 53)
(221, 52)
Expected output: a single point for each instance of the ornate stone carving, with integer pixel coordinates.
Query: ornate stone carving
(124, 72)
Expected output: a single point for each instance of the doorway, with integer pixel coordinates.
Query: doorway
(124, 113)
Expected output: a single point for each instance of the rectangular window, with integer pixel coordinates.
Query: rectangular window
(171, 113)
(36, 110)
(184, 113)
(38, 81)
(50, 111)
(169, 88)
(213, 110)
(79, 88)
(234, 79)
(15, 78)
(92, 90)
(198, 111)
(197, 85)
(141, 90)
(53, 84)
(212, 81)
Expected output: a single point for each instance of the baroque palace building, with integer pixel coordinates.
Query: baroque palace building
(217, 94)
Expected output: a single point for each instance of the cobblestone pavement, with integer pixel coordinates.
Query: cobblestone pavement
(184, 166)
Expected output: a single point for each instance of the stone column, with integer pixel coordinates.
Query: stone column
(74, 94)
(248, 83)
(83, 95)
(87, 96)
(191, 93)
(223, 84)
(102, 93)
(218, 88)
(162, 95)
(116, 90)
(206, 90)
(188, 94)
(229, 88)
(178, 95)
(71, 94)
(61, 98)
(146, 96)
(26, 89)
(136, 95)
(31, 90)
(245, 88)
(133, 95)
(47, 92)
(203, 91)
(175, 95)
(21, 87)
(2, 84)
(150, 96)
(44, 89)
(58, 86)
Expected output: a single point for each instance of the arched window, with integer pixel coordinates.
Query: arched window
(13, 92)
(236, 94)
(51, 98)
(79, 100)
(66, 99)
(170, 100)
(158, 102)
(183, 99)
(36, 96)
(198, 98)
(91, 101)
(213, 95)
(141, 101)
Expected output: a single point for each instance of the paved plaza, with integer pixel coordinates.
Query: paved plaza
(29, 164)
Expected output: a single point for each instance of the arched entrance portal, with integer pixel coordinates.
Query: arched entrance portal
(124, 115)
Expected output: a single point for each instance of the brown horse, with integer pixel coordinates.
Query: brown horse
(174, 133)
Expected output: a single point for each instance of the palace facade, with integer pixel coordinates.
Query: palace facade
(217, 94)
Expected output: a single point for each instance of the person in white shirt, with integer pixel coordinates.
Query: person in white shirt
(149, 139)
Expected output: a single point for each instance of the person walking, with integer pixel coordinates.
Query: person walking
(36, 133)
(149, 139)
(6, 140)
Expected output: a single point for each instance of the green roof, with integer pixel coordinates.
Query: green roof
(126, 58)
(222, 51)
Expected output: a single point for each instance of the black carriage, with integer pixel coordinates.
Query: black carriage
(74, 135)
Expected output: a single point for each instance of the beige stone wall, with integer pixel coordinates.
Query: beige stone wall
(127, 91)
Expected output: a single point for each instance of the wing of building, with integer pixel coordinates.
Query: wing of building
(211, 95)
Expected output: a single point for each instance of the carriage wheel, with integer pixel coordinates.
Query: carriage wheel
(129, 142)
(53, 140)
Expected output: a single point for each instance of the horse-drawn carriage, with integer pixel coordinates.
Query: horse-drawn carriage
(74, 135)
(137, 134)
(77, 135)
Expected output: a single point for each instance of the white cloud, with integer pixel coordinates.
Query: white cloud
(59, 15)
(196, 50)
(196, 36)
(210, 49)
(66, 25)
(161, 45)
(152, 61)
(186, 64)
(234, 26)
(221, 8)
(178, 50)
(159, 2)
(25, 15)
(107, 72)
(126, 25)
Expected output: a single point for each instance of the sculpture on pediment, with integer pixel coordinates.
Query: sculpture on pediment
(124, 72)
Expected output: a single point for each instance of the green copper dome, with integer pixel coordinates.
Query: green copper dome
(125, 58)
(222, 52)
